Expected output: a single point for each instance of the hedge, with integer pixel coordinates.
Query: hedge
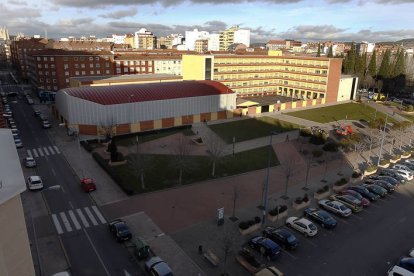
(277, 210)
(322, 190)
(330, 146)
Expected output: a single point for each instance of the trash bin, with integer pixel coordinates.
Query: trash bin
(142, 249)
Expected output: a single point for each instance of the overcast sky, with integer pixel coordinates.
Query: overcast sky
(306, 20)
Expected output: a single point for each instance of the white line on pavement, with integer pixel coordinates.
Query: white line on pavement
(98, 214)
(51, 150)
(45, 149)
(96, 252)
(57, 224)
(40, 152)
(56, 149)
(29, 153)
(35, 153)
(53, 172)
(74, 220)
(289, 254)
(65, 221)
(82, 217)
(91, 217)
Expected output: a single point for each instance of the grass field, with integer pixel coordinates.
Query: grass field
(197, 168)
(248, 129)
(347, 111)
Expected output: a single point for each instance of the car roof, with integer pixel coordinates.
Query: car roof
(304, 221)
(34, 177)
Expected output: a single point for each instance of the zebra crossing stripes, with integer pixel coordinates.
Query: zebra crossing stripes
(43, 151)
(72, 220)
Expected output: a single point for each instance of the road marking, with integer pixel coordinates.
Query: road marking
(71, 205)
(53, 172)
(40, 152)
(100, 217)
(82, 217)
(96, 252)
(392, 196)
(74, 220)
(358, 217)
(65, 222)
(35, 153)
(29, 153)
(56, 149)
(343, 220)
(311, 242)
(91, 217)
(51, 150)
(57, 224)
(45, 149)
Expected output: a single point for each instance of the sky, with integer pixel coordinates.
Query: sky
(305, 20)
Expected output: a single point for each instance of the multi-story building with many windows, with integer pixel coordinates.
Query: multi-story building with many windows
(297, 77)
(234, 35)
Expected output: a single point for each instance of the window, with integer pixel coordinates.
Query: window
(90, 65)
(67, 80)
(47, 80)
(41, 79)
(118, 70)
(97, 65)
(97, 58)
(39, 65)
(52, 66)
(82, 58)
(83, 65)
(98, 72)
(126, 70)
(49, 87)
(77, 73)
(75, 58)
(65, 66)
(38, 58)
(76, 65)
(52, 59)
(83, 73)
(46, 66)
(65, 58)
(106, 64)
(44, 58)
(66, 73)
(55, 87)
(91, 72)
(40, 72)
(47, 73)
(107, 72)
(53, 73)
(54, 80)
(90, 58)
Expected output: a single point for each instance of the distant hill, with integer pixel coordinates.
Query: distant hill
(407, 40)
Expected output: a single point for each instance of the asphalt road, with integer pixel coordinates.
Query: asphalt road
(90, 248)
(367, 243)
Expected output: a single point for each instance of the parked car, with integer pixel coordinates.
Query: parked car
(407, 175)
(411, 253)
(349, 201)
(322, 217)
(265, 246)
(375, 189)
(364, 201)
(335, 207)
(281, 236)
(158, 267)
(46, 124)
(364, 192)
(389, 179)
(120, 230)
(18, 143)
(409, 160)
(387, 186)
(37, 113)
(88, 185)
(29, 162)
(304, 226)
(269, 271)
(407, 263)
(399, 271)
(245, 256)
(389, 172)
(34, 182)
(402, 167)
(409, 165)
(30, 101)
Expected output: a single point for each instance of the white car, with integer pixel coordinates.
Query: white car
(402, 167)
(407, 175)
(399, 271)
(302, 225)
(34, 182)
(410, 160)
(335, 207)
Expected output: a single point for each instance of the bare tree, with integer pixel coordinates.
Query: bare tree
(289, 168)
(368, 82)
(235, 196)
(107, 128)
(140, 162)
(181, 157)
(216, 148)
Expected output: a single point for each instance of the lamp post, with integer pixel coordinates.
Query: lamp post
(234, 141)
(382, 140)
(266, 183)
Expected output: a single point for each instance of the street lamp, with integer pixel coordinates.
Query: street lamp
(266, 183)
(234, 141)
(382, 140)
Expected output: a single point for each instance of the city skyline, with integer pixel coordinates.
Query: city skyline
(335, 20)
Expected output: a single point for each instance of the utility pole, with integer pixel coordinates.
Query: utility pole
(382, 140)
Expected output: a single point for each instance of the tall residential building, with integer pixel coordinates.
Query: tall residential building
(4, 33)
(201, 45)
(5, 53)
(192, 36)
(170, 41)
(144, 39)
(234, 35)
(364, 47)
(129, 39)
(214, 42)
(249, 75)
(119, 39)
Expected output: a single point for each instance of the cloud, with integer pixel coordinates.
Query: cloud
(120, 14)
(20, 12)
(17, 3)
(330, 32)
(394, 1)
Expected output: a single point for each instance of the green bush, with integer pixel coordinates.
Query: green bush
(396, 157)
(371, 168)
(243, 225)
(298, 200)
(305, 132)
(330, 146)
(356, 174)
(323, 190)
(407, 153)
(410, 108)
(384, 162)
(341, 182)
(317, 139)
(86, 146)
(277, 210)
(317, 153)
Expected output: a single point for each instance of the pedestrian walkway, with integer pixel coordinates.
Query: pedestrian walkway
(77, 219)
(43, 151)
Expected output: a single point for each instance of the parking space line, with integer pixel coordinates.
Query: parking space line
(342, 220)
(29, 153)
(310, 242)
(56, 149)
(45, 149)
(40, 152)
(51, 150)
(392, 196)
(374, 205)
(368, 212)
(289, 254)
(35, 153)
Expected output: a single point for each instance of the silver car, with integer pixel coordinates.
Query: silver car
(335, 207)
(29, 162)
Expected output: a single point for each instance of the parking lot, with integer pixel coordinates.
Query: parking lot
(366, 243)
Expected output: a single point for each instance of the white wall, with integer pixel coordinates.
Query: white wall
(345, 88)
(192, 36)
(242, 36)
(214, 42)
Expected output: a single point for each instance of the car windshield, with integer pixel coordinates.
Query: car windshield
(342, 207)
(324, 215)
(36, 182)
(291, 238)
(312, 227)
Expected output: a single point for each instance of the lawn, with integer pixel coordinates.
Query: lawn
(143, 137)
(198, 168)
(248, 129)
(347, 111)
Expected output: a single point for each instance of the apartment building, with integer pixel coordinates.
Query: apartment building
(52, 69)
(144, 39)
(234, 35)
(5, 53)
(249, 75)
(201, 45)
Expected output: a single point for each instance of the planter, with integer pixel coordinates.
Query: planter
(340, 188)
(408, 155)
(384, 166)
(301, 205)
(395, 160)
(251, 229)
(366, 173)
(322, 195)
(117, 163)
(279, 216)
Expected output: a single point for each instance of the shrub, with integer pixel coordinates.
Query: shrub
(86, 146)
(243, 225)
(305, 132)
(396, 157)
(305, 198)
(317, 139)
(317, 153)
(322, 190)
(356, 174)
(410, 108)
(257, 220)
(298, 200)
(407, 153)
(251, 222)
(384, 162)
(371, 168)
(341, 182)
(277, 210)
(330, 146)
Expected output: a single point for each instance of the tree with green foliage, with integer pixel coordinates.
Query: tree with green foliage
(330, 52)
(351, 59)
(399, 65)
(318, 54)
(359, 66)
(372, 66)
(384, 70)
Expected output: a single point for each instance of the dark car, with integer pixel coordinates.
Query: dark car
(375, 189)
(365, 193)
(281, 236)
(388, 179)
(364, 201)
(392, 173)
(120, 230)
(37, 113)
(265, 246)
(158, 267)
(322, 217)
(387, 186)
(407, 263)
(351, 202)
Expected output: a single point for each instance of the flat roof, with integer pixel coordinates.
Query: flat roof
(12, 182)
(126, 78)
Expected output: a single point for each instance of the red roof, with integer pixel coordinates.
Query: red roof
(119, 94)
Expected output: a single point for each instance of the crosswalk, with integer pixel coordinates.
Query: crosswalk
(77, 219)
(43, 151)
